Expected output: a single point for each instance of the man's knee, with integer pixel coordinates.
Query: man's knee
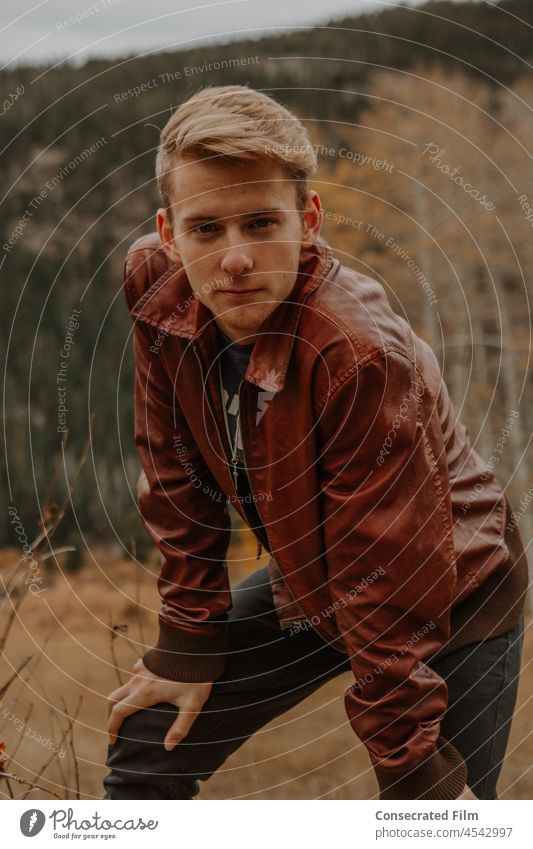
(140, 766)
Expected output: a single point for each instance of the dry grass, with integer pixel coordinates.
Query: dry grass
(309, 752)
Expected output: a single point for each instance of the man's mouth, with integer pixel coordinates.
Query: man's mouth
(239, 293)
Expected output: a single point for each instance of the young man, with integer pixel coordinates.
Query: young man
(272, 376)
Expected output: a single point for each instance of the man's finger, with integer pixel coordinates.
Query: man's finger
(121, 710)
(116, 696)
(181, 727)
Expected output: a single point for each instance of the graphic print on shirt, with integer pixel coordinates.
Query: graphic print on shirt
(232, 411)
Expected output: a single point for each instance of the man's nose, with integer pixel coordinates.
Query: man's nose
(236, 260)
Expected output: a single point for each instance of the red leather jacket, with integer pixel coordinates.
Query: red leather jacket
(379, 514)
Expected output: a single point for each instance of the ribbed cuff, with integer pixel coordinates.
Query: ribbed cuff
(182, 656)
(440, 775)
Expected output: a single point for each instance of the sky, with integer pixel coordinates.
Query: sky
(52, 30)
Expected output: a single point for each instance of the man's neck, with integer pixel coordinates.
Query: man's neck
(242, 342)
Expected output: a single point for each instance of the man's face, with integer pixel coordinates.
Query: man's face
(239, 236)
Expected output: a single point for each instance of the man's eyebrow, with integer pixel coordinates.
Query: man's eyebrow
(190, 219)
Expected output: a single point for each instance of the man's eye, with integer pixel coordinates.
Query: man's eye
(204, 228)
(262, 223)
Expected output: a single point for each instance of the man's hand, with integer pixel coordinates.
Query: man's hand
(467, 793)
(145, 689)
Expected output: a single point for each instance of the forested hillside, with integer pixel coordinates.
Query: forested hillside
(394, 101)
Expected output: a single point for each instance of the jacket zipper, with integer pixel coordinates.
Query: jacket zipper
(249, 478)
(198, 357)
(237, 431)
(200, 362)
(304, 618)
(234, 459)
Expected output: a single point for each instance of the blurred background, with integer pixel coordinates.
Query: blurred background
(421, 117)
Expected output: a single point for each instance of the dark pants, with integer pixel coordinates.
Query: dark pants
(269, 670)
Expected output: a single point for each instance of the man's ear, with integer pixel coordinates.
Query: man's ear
(313, 215)
(166, 236)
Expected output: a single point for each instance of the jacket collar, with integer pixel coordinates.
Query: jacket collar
(171, 306)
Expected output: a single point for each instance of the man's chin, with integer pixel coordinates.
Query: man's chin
(247, 325)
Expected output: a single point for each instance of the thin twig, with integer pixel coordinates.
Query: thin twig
(72, 486)
(11, 757)
(48, 762)
(56, 513)
(34, 678)
(11, 578)
(62, 731)
(71, 741)
(53, 755)
(12, 614)
(112, 647)
(55, 473)
(131, 645)
(119, 632)
(31, 784)
(51, 518)
(15, 702)
(39, 539)
(38, 655)
(23, 681)
(5, 687)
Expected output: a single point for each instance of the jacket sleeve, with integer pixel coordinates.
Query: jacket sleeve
(391, 570)
(191, 529)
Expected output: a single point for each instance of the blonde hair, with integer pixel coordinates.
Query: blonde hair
(238, 124)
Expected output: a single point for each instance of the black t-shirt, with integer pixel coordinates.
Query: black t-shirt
(233, 364)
